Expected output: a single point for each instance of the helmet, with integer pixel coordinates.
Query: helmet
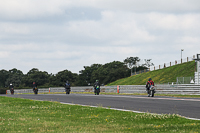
(149, 79)
(97, 80)
(33, 82)
(10, 84)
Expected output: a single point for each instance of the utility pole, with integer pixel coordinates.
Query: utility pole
(197, 73)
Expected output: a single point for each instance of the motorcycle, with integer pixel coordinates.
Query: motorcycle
(35, 90)
(12, 91)
(151, 91)
(97, 90)
(67, 90)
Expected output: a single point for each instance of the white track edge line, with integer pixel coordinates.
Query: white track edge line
(126, 110)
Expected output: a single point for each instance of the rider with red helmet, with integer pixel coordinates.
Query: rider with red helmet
(149, 84)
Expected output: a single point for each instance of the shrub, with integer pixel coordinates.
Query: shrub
(3, 90)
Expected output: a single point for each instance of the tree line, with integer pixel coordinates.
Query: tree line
(106, 73)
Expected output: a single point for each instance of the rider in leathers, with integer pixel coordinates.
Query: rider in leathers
(95, 86)
(11, 87)
(149, 84)
(34, 86)
(67, 86)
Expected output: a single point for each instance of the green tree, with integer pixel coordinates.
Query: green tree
(110, 72)
(147, 63)
(85, 76)
(61, 77)
(131, 62)
(3, 77)
(15, 77)
(34, 75)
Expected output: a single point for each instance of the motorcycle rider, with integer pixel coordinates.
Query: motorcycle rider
(96, 84)
(34, 86)
(67, 86)
(149, 84)
(11, 87)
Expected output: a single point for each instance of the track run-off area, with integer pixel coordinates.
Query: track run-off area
(186, 107)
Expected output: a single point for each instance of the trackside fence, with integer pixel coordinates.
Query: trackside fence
(152, 68)
(172, 63)
(160, 89)
(185, 80)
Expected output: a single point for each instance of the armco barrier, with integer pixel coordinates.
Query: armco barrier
(160, 89)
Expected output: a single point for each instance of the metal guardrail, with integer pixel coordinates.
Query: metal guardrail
(160, 89)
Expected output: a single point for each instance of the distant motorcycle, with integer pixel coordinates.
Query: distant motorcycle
(67, 90)
(151, 91)
(97, 90)
(35, 90)
(12, 91)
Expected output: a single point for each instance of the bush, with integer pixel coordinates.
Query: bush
(3, 90)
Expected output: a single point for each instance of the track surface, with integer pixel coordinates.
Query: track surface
(188, 107)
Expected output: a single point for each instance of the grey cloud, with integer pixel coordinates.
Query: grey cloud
(70, 35)
(178, 6)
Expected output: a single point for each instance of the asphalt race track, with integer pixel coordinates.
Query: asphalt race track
(187, 107)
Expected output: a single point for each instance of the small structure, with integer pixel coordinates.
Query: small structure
(192, 81)
(197, 73)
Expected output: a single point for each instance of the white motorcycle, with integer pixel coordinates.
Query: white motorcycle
(151, 91)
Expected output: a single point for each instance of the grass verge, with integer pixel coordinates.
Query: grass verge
(24, 115)
(165, 75)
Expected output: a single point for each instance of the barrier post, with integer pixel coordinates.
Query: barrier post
(118, 89)
(6, 92)
(49, 89)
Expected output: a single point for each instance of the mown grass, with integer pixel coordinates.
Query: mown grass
(24, 115)
(165, 75)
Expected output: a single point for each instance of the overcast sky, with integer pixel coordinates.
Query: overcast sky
(55, 35)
